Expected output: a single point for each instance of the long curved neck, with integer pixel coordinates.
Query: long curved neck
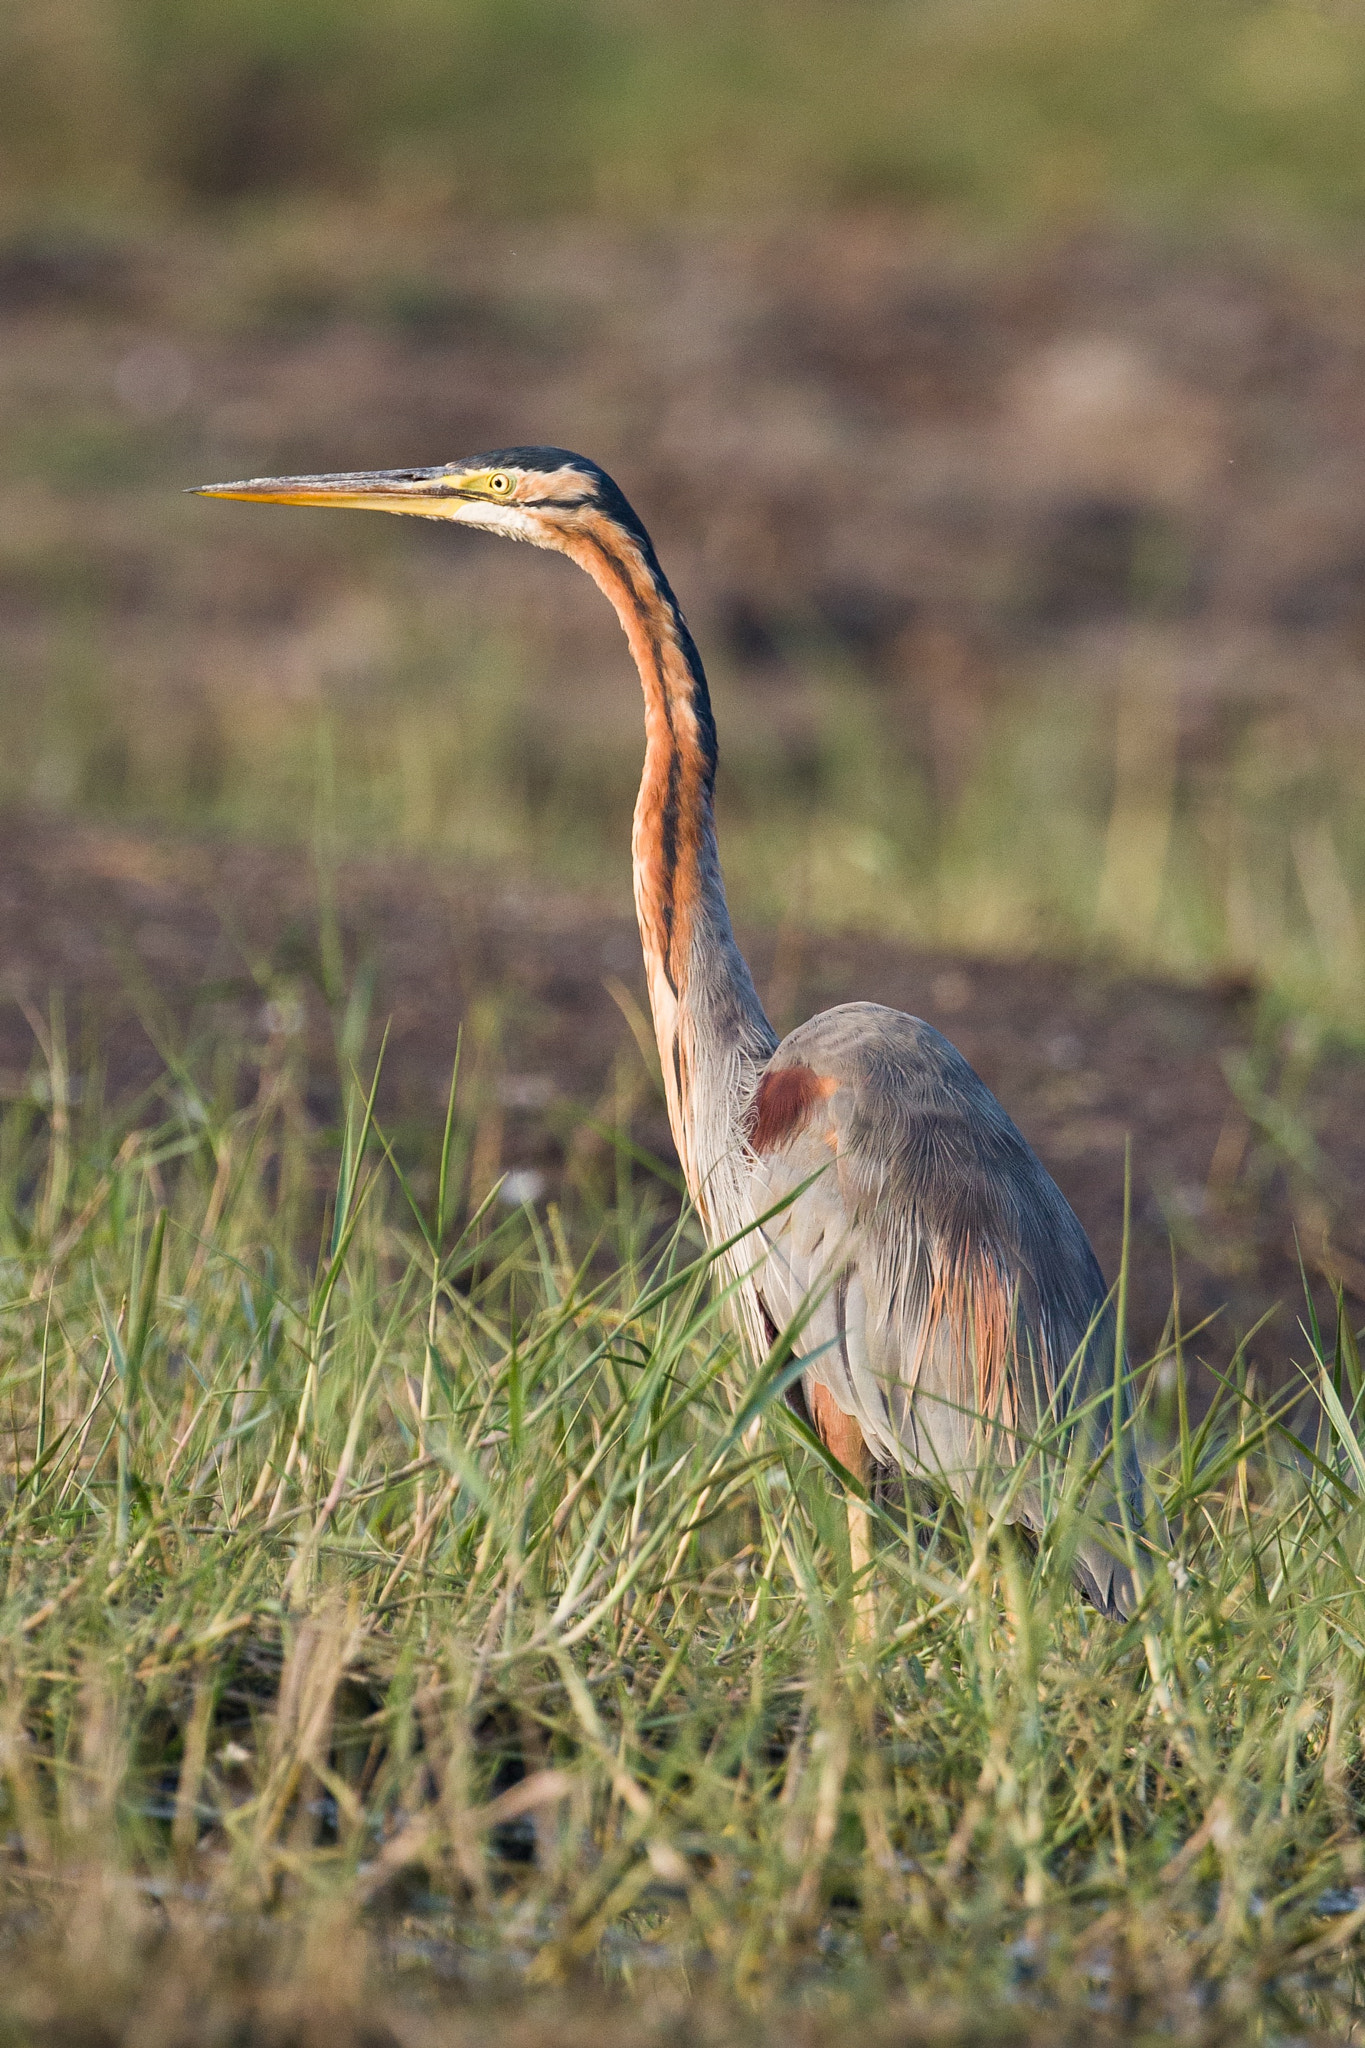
(708, 1020)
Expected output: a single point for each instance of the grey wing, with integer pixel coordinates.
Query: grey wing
(950, 1300)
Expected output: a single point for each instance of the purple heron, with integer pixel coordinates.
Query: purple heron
(875, 1197)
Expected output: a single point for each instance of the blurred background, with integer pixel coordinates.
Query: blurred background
(990, 372)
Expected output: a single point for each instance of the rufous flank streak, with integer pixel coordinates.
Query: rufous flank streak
(971, 1297)
(842, 1437)
(839, 1433)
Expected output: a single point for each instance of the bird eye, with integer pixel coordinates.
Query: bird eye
(500, 484)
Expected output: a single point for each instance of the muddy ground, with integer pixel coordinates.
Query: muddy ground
(1241, 1136)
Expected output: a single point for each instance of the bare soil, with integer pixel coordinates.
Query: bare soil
(221, 944)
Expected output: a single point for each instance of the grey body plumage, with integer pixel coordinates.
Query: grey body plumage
(911, 1194)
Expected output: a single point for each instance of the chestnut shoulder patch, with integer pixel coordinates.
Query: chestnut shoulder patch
(782, 1102)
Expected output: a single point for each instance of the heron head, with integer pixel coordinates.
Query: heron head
(541, 495)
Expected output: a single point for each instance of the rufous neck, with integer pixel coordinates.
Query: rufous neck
(706, 1010)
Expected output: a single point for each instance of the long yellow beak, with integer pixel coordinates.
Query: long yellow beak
(427, 492)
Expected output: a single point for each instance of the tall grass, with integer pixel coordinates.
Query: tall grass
(412, 1600)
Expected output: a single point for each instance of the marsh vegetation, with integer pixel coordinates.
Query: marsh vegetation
(446, 1605)
(416, 1617)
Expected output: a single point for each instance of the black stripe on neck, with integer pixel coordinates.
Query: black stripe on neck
(699, 695)
(668, 848)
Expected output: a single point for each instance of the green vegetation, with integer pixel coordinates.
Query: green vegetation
(424, 1621)
(411, 1603)
(1018, 110)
